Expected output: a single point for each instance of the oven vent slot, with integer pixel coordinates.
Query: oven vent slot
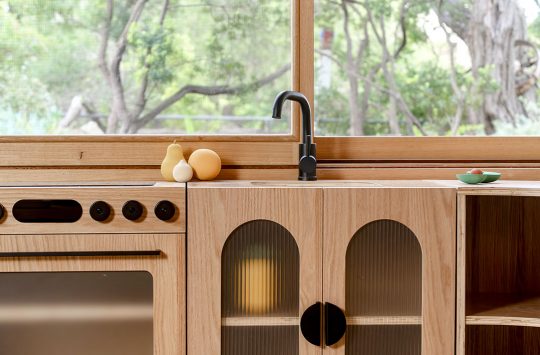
(47, 211)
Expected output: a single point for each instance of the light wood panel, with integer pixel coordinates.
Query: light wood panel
(141, 154)
(167, 271)
(511, 310)
(286, 172)
(430, 214)
(214, 213)
(429, 148)
(115, 196)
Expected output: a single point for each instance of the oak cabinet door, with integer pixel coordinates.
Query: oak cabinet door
(254, 267)
(389, 265)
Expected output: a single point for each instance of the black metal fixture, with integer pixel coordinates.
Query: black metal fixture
(307, 164)
(100, 211)
(310, 324)
(132, 210)
(333, 318)
(165, 210)
(335, 324)
(2, 212)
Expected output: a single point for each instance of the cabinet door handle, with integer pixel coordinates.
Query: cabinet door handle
(310, 324)
(52, 254)
(335, 324)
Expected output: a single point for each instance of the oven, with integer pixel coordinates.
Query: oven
(92, 270)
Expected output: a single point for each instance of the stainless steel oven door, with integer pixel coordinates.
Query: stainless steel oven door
(99, 294)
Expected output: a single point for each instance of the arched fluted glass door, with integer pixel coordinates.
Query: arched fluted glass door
(260, 290)
(384, 290)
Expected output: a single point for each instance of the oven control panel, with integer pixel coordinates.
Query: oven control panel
(156, 208)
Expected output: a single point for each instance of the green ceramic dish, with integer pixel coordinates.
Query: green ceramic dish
(471, 178)
(491, 176)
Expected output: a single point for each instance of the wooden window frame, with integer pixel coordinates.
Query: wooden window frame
(272, 156)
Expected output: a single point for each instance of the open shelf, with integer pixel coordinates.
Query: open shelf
(496, 309)
(502, 276)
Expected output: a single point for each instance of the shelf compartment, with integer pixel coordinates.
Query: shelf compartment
(502, 340)
(496, 309)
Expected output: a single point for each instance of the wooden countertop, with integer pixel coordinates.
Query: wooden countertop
(504, 187)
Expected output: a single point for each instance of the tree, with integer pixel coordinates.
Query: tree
(121, 118)
(492, 30)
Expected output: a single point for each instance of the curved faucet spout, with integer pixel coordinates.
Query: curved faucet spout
(307, 163)
(306, 111)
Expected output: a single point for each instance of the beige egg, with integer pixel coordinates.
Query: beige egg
(206, 164)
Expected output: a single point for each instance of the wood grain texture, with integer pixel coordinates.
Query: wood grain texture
(498, 268)
(285, 172)
(430, 214)
(502, 340)
(67, 153)
(167, 271)
(214, 213)
(428, 148)
(497, 309)
(115, 196)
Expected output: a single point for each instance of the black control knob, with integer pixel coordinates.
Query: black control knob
(132, 210)
(2, 212)
(165, 210)
(100, 211)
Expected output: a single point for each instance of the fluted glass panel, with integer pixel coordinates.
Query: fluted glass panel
(384, 290)
(383, 340)
(384, 271)
(281, 340)
(260, 272)
(260, 278)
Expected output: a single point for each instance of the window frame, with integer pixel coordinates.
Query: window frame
(269, 151)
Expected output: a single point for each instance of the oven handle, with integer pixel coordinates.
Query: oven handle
(52, 254)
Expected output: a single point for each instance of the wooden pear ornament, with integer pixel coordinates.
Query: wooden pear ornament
(182, 172)
(174, 155)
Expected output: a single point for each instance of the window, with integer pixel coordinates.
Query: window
(148, 67)
(427, 68)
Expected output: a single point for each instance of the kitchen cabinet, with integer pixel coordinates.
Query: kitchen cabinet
(322, 267)
(498, 302)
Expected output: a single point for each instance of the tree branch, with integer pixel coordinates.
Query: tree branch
(105, 34)
(207, 91)
(141, 100)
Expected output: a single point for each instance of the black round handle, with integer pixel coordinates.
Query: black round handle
(310, 324)
(335, 324)
(132, 210)
(100, 211)
(165, 210)
(2, 212)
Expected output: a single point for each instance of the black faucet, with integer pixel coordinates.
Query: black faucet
(307, 165)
